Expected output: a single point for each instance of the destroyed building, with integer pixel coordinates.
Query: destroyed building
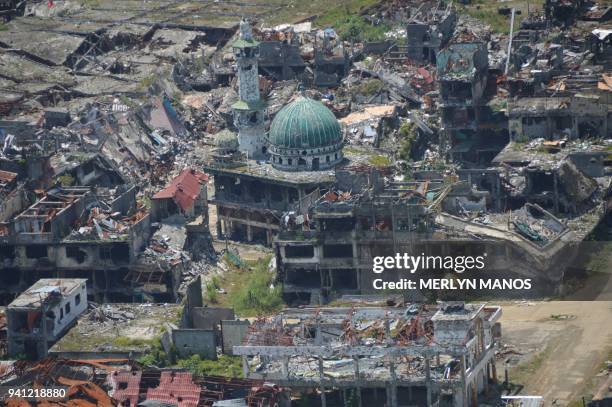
(120, 382)
(468, 133)
(529, 219)
(39, 316)
(185, 195)
(554, 118)
(77, 231)
(304, 139)
(428, 31)
(415, 355)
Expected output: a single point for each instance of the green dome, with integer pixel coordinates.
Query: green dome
(304, 124)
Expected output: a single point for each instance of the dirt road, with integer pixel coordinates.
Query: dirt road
(572, 338)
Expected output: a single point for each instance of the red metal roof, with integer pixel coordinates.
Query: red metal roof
(126, 386)
(177, 388)
(184, 189)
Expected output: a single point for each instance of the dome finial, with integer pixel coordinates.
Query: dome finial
(245, 30)
(301, 89)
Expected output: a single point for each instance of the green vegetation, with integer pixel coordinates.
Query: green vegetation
(355, 28)
(407, 135)
(126, 342)
(146, 82)
(341, 10)
(256, 296)
(3, 27)
(486, 11)
(66, 180)
(211, 290)
(90, 3)
(524, 371)
(156, 356)
(228, 366)
(248, 285)
(368, 87)
(379, 161)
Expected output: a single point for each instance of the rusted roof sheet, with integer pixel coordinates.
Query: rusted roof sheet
(184, 189)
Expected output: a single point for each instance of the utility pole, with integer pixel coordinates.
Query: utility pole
(510, 41)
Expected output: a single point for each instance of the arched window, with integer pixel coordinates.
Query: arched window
(326, 158)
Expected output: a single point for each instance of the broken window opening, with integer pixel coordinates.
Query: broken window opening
(36, 251)
(344, 279)
(315, 164)
(7, 252)
(299, 252)
(73, 252)
(120, 253)
(338, 251)
(303, 278)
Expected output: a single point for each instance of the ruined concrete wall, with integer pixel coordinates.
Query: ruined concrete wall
(209, 318)
(126, 202)
(591, 164)
(201, 342)
(233, 334)
(140, 234)
(13, 204)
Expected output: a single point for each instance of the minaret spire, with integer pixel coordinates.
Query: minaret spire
(249, 110)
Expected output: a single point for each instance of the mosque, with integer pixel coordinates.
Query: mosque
(259, 175)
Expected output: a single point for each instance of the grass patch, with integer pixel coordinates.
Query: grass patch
(342, 9)
(379, 161)
(211, 290)
(368, 87)
(66, 180)
(227, 366)
(522, 373)
(127, 342)
(407, 135)
(248, 287)
(90, 3)
(486, 11)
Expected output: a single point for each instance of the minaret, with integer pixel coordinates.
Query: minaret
(249, 110)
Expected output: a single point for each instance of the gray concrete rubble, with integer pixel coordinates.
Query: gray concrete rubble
(137, 137)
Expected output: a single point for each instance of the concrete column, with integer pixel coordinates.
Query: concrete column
(286, 368)
(245, 367)
(393, 384)
(249, 229)
(219, 228)
(357, 380)
(556, 192)
(428, 380)
(268, 232)
(463, 384)
(321, 383)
